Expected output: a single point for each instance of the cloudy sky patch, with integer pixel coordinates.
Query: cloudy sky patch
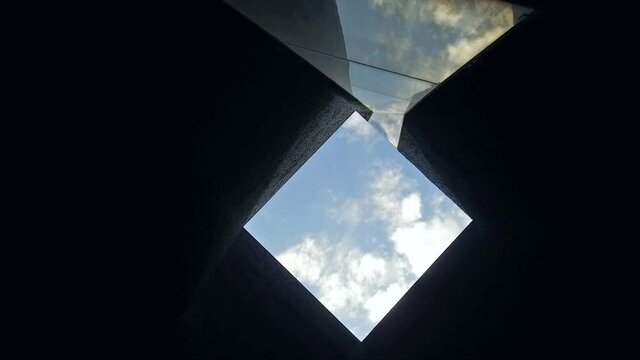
(357, 225)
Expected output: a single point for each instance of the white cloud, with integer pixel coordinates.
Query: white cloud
(349, 212)
(462, 15)
(386, 194)
(467, 47)
(419, 240)
(305, 260)
(360, 283)
(379, 304)
(391, 125)
(423, 242)
(411, 207)
(357, 129)
(368, 267)
(343, 274)
(474, 25)
(446, 15)
(334, 292)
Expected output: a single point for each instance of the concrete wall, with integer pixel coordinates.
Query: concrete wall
(220, 116)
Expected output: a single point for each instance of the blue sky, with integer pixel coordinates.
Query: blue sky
(357, 225)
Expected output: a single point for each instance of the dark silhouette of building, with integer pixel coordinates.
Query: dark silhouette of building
(219, 115)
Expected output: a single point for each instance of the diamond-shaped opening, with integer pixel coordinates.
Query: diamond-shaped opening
(388, 54)
(357, 225)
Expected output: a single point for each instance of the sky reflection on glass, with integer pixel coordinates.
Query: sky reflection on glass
(357, 225)
(387, 53)
(427, 39)
(388, 95)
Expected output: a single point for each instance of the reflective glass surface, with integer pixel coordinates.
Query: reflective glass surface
(388, 95)
(427, 39)
(387, 53)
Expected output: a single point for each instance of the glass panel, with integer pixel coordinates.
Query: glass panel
(308, 24)
(357, 225)
(379, 90)
(387, 53)
(387, 94)
(337, 69)
(425, 39)
(398, 88)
